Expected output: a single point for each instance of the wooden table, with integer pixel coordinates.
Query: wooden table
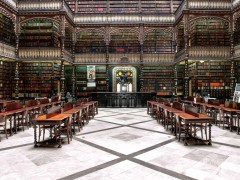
(56, 120)
(74, 113)
(189, 119)
(12, 114)
(231, 112)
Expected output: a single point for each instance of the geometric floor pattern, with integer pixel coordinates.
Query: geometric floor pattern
(121, 143)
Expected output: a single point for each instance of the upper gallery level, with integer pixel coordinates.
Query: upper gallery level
(122, 11)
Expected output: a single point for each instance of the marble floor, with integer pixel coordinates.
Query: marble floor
(121, 144)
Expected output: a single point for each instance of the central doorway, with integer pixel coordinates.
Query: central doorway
(124, 79)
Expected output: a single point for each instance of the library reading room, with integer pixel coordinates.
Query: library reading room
(119, 89)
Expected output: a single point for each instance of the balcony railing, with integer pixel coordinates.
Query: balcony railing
(7, 51)
(11, 3)
(128, 58)
(123, 19)
(27, 5)
(236, 3)
(236, 51)
(210, 4)
(209, 52)
(39, 53)
(90, 58)
(158, 58)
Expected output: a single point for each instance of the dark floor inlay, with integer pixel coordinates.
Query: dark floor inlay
(18, 146)
(93, 169)
(99, 130)
(160, 169)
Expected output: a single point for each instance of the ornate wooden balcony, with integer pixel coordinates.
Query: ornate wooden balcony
(211, 52)
(11, 3)
(236, 51)
(7, 51)
(236, 3)
(158, 58)
(39, 53)
(26, 5)
(210, 4)
(90, 58)
(123, 19)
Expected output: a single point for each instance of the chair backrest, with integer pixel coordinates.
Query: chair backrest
(190, 98)
(13, 106)
(191, 110)
(177, 105)
(44, 101)
(34, 102)
(55, 99)
(200, 100)
(54, 109)
(78, 103)
(28, 103)
(236, 105)
(214, 102)
(160, 100)
(67, 106)
(228, 104)
(167, 104)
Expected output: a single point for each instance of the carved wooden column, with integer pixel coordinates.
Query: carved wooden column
(74, 82)
(175, 79)
(62, 81)
(232, 78)
(186, 79)
(107, 41)
(141, 41)
(186, 48)
(16, 78)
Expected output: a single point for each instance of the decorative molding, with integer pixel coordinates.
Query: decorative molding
(90, 58)
(7, 51)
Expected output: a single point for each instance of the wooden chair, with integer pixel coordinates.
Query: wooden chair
(50, 113)
(194, 111)
(3, 124)
(225, 117)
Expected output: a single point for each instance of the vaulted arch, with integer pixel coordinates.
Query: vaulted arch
(39, 32)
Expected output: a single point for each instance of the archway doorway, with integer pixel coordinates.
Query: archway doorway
(124, 79)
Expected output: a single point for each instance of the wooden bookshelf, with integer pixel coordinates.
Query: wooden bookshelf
(81, 79)
(211, 77)
(179, 79)
(124, 41)
(123, 6)
(158, 41)
(180, 37)
(68, 39)
(236, 35)
(39, 33)
(6, 79)
(7, 34)
(90, 42)
(158, 79)
(68, 70)
(209, 32)
(38, 79)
